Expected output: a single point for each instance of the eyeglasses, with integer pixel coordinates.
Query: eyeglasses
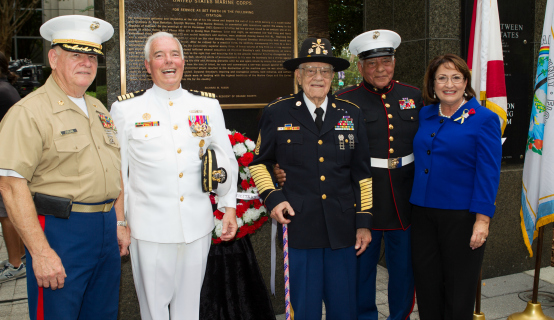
(372, 63)
(325, 72)
(455, 79)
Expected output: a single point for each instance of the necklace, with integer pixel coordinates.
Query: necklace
(442, 114)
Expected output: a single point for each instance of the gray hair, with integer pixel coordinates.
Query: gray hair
(158, 35)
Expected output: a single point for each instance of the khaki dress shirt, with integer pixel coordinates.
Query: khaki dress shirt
(48, 140)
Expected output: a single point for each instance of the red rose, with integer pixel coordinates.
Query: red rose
(218, 214)
(232, 139)
(244, 185)
(241, 209)
(242, 232)
(246, 159)
(471, 111)
(216, 241)
(212, 198)
(257, 204)
(239, 137)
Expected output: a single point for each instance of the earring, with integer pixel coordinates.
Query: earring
(434, 95)
(465, 94)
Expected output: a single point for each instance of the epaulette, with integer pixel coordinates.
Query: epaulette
(279, 100)
(347, 102)
(203, 94)
(131, 95)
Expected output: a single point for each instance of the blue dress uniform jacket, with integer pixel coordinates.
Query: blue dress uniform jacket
(328, 178)
(457, 164)
(390, 129)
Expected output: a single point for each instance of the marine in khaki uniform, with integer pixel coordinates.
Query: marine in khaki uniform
(59, 157)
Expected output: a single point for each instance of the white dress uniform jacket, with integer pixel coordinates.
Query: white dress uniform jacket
(164, 201)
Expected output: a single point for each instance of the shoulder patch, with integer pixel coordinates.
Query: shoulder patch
(202, 93)
(347, 102)
(130, 95)
(279, 100)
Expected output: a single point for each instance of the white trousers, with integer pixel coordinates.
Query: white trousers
(169, 274)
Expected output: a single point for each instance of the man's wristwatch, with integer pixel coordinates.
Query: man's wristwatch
(122, 223)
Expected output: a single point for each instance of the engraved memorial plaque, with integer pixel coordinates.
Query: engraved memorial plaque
(233, 48)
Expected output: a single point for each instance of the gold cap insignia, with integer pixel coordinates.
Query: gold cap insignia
(95, 25)
(319, 47)
(146, 116)
(376, 35)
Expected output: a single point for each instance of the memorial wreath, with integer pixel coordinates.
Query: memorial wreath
(251, 213)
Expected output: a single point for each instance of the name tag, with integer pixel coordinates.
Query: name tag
(68, 131)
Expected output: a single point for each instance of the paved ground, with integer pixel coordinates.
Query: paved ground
(500, 296)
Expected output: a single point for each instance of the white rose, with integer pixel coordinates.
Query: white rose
(229, 132)
(251, 215)
(239, 149)
(240, 222)
(250, 145)
(243, 176)
(247, 171)
(218, 227)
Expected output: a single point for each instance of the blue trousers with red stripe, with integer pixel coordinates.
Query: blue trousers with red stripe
(326, 275)
(401, 289)
(87, 245)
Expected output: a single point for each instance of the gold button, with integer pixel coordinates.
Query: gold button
(146, 136)
(391, 126)
(391, 150)
(322, 178)
(321, 159)
(412, 118)
(346, 140)
(170, 103)
(179, 150)
(180, 175)
(391, 138)
(320, 142)
(383, 96)
(334, 105)
(323, 197)
(288, 140)
(60, 103)
(387, 105)
(95, 106)
(390, 116)
(354, 205)
(175, 127)
(181, 199)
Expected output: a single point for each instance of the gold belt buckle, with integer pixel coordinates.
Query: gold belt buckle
(394, 163)
(107, 207)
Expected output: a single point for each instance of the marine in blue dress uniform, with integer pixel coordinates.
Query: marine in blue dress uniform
(328, 190)
(390, 110)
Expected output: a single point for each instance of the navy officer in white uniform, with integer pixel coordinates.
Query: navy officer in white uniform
(162, 133)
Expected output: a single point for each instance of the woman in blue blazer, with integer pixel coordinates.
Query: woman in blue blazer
(457, 152)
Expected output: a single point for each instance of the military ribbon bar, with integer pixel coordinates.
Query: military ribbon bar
(345, 124)
(406, 103)
(287, 126)
(147, 124)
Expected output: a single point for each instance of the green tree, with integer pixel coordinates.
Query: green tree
(13, 16)
(351, 75)
(346, 20)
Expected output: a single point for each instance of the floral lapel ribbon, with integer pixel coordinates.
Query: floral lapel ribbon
(465, 115)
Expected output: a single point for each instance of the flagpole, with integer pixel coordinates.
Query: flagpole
(478, 315)
(533, 311)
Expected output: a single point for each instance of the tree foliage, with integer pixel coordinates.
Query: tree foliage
(346, 20)
(13, 15)
(351, 75)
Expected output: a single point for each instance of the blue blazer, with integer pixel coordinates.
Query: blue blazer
(457, 165)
